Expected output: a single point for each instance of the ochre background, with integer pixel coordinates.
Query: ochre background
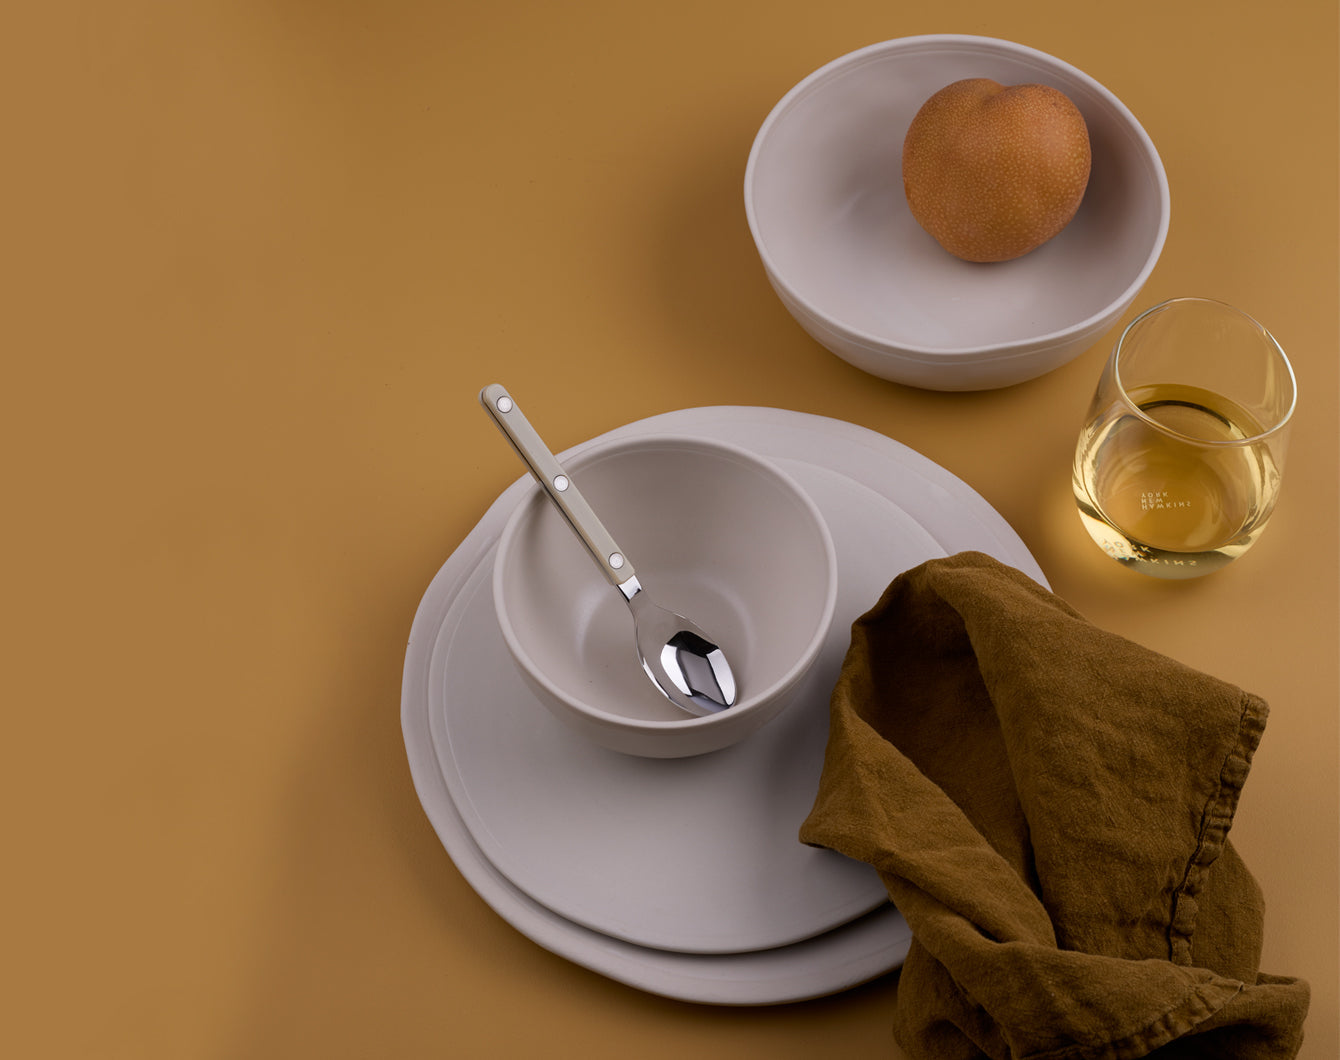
(258, 259)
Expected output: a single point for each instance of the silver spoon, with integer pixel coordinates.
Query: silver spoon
(681, 660)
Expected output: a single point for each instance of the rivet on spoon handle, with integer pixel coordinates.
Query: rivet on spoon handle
(549, 473)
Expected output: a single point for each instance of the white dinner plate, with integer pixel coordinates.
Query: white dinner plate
(502, 756)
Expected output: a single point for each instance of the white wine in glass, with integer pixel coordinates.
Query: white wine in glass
(1178, 466)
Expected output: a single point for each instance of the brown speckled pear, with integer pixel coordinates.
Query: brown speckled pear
(994, 172)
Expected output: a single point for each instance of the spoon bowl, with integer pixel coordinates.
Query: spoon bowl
(691, 671)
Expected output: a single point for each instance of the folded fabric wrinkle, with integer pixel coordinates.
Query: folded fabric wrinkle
(1048, 804)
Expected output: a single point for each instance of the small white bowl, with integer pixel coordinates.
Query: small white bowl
(825, 203)
(717, 534)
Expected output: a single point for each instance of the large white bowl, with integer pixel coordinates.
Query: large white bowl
(716, 533)
(825, 203)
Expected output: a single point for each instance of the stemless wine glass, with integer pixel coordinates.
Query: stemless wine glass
(1179, 462)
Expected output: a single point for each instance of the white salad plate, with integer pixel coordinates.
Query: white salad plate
(696, 855)
(681, 877)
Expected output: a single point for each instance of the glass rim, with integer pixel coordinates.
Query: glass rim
(1233, 443)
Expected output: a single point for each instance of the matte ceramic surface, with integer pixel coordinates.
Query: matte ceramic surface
(717, 535)
(951, 513)
(825, 203)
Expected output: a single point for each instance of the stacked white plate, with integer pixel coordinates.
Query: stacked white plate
(681, 877)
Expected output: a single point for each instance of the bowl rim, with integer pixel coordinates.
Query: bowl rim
(573, 459)
(879, 344)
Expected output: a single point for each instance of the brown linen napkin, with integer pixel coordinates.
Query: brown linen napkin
(1048, 805)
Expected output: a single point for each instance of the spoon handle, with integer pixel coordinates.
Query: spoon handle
(557, 483)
